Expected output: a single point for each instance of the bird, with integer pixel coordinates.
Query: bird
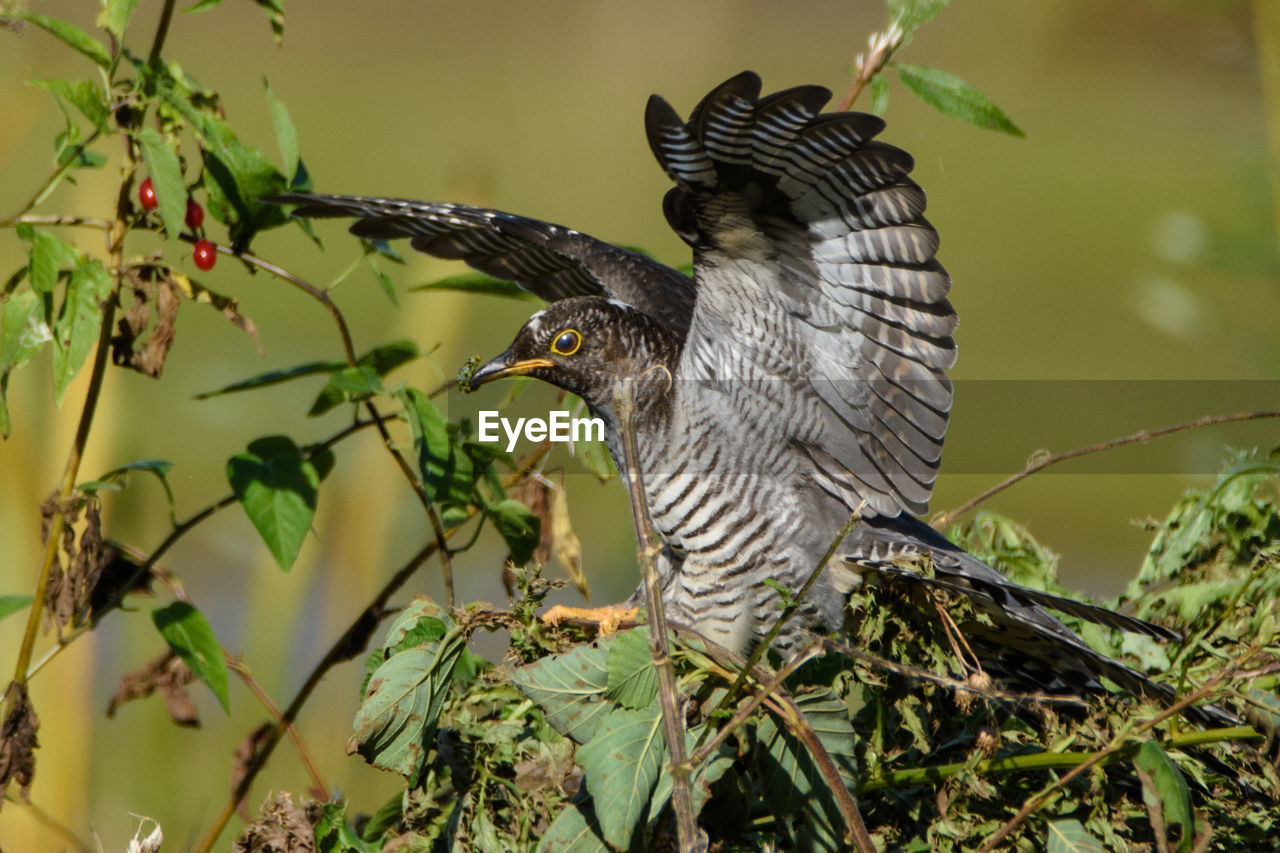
(797, 379)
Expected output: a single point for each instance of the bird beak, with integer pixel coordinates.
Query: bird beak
(502, 366)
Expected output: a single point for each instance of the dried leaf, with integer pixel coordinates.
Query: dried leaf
(283, 828)
(246, 752)
(167, 674)
(229, 307)
(18, 740)
(564, 541)
(149, 358)
(70, 590)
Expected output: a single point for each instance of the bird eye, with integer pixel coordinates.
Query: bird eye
(567, 342)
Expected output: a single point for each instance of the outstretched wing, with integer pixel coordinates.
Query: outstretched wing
(809, 236)
(549, 261)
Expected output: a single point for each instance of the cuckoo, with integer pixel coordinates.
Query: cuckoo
(796, 379)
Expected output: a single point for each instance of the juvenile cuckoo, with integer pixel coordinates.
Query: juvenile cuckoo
(802, 368)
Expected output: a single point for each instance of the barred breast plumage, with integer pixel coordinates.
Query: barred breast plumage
(806, 362)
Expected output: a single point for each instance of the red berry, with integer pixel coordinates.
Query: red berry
(195, 214)
(147, 195)
(205, 255)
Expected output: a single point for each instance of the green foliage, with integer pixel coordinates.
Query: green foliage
(191, 637)
(951, 96)
(278, 488)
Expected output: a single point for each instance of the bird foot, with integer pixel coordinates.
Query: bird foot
(606, 619)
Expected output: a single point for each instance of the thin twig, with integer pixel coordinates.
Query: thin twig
(648, 548)
(1116, 744)
(48, 821)
(1043, 462)
(240, 668)
(881, 47)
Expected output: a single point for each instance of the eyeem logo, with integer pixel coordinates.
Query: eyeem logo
(559, 427)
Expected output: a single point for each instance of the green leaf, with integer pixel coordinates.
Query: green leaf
(879, 94)
(286, 133)
(911, 14)
(518, 526)
(447, 472)
(278, 489)
(46, 258)
(621, 765)
(792, 780)
(570, 688)
(72, 36)
(11, 604)
(115, 15)
(1069, 836)
(477, 282)
(83, 95)
(166, 176)
(951, 96)
(704, 776)
(275, 377)
(348, 384)
(235, 175)
(333, 834)
(275, 17)
(395, 726)
(633, 679)
(191, 637)
(23, 329)
(575, 830)
(1167, 791)
(76, 330)
(203, 6)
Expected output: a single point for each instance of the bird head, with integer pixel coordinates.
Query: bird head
(585, 345)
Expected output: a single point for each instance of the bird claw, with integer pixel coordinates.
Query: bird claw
(606, 619)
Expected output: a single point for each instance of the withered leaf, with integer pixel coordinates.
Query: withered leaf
(283, 828)
(166, 674)
(534, 491)
(150, 284)
(119, 576)
(18, 740)
(229, 307)
(246, 751)
(70, 590)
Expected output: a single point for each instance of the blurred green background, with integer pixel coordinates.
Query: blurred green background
(1116, 270)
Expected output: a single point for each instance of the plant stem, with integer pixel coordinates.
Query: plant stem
(648, 548)
(1136, 438)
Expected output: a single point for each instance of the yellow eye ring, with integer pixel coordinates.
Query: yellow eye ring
(567, 342)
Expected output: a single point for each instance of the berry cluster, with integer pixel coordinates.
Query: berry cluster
(205, 253)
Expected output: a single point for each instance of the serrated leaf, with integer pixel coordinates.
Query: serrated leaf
(621, 764)
(1069, 836)
(191, 637)
(114, 16)
(166, 177)
(633, 679)
(570, 688)
(286, 133)
(73, 37)
(395, 726)
(11, 604)
(951, 96)
(76, 330)
(81, 94)
(477, 282)
(278, 489)
(575, 830)
(275, 377)
(1167, 791)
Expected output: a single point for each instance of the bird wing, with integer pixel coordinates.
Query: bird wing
(550, 261)
(809, 243)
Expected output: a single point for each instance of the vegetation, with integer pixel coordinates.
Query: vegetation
(562, 743)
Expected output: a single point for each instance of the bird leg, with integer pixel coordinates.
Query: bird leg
(606, 619)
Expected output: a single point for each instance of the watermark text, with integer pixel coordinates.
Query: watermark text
(559, 426)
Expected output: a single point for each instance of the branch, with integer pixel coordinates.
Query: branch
(1136, 438)
(648, 548)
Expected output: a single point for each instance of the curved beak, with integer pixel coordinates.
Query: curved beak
(502, 366)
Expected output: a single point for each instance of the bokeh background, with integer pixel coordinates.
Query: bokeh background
(1116, 270)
